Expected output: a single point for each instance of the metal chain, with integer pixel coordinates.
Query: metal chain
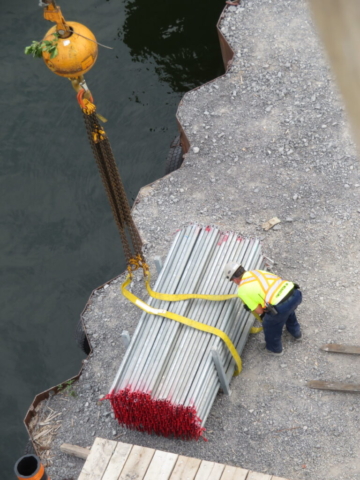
(110, 176)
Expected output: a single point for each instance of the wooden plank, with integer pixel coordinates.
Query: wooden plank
(79, 452)
(161, 466)
(209, 471)
(335, 386)
(97, 461)
(340, 348)
(137, 463)
(270, 223)
(117, 461)
(234, 473)
(185, 468)
(258, 476)
(278, 478)
(338, 25)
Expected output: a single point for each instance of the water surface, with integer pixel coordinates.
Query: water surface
(58, 240)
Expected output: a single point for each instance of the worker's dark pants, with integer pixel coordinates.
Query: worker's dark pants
(273, 324)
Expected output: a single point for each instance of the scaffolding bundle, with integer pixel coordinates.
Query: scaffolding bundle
(168, 381)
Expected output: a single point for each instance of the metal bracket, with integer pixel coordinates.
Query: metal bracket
(158, 264)
(221, 372)
(83, 84)
(125, 338)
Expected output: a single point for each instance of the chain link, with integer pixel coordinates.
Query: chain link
(130, 237)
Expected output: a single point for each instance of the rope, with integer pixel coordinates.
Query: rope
(94, 41)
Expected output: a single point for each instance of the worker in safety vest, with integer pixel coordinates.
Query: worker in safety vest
(270, 297)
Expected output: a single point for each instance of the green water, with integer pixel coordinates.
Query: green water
(58, 240)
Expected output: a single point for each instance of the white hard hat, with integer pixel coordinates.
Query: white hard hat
(230, 268)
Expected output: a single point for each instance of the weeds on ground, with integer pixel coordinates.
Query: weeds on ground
(67, 388)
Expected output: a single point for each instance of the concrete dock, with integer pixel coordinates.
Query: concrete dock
(269, 138)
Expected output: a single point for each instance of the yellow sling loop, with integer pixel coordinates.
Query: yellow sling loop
(168, 297)
(256, 329)
(188, 296)
(179, 318)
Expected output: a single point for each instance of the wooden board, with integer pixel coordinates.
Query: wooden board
(334, 386)
(209, 471)
(79, 452)
(234, 473)
(109, 460)
(340, 348)
(117, 461)
(258, 476)
(137, 463)
(185, 469)
(270, 223)
(161, 466)
(98, 459)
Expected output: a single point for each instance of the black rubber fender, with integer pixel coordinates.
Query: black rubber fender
(81, 338)
(175, 156)
(29, 449)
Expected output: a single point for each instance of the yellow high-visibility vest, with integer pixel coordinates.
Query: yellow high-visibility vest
(258, 287)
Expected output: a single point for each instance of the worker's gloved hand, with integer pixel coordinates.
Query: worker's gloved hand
(246, 307)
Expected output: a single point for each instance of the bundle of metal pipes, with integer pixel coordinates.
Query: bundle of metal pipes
(167, 381)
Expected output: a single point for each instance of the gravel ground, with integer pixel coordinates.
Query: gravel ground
(267, 139)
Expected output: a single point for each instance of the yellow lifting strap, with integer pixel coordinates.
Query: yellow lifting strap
(256, 329)
(168, 297)
(188, 296)
(179, 318)
(186, 321)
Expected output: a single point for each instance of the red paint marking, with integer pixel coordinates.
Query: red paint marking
(136, 410)
(208, 229)
(223, 238)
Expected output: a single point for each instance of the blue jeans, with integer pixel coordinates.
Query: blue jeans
(273, 324)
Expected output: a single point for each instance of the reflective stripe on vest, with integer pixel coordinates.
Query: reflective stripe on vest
(264, 279)
(274, 289)
(264, 282)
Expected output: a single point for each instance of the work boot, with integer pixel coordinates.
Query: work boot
(262, 348)
(298, 336)
(274, 354)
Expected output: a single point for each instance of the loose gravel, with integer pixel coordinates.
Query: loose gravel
(268, 139)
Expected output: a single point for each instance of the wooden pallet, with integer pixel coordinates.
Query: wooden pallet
(110, 460)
